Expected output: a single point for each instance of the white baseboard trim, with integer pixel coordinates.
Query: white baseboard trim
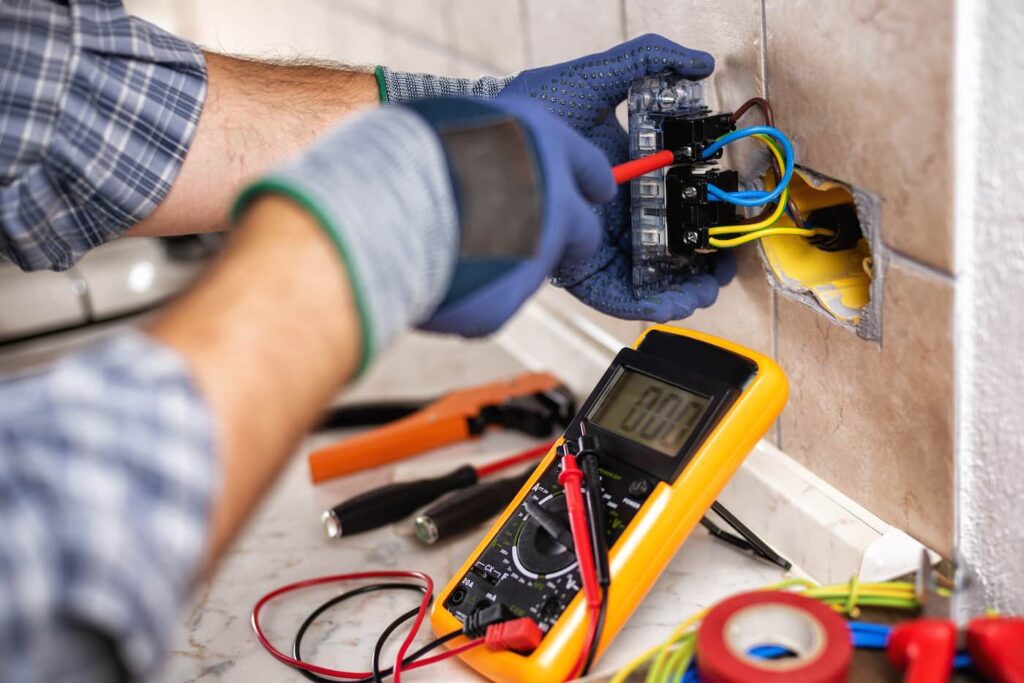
(823, 532)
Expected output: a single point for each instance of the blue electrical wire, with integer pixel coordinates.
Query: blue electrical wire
(862, 634)
(752, 197)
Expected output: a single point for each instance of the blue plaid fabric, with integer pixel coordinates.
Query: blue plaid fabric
(106, 477)
(97, 110)
(106, 460)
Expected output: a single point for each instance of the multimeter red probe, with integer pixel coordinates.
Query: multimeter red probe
(388, 504)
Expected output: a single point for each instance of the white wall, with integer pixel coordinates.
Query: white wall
(990, 314)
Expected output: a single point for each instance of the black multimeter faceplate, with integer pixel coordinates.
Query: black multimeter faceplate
(523, 567)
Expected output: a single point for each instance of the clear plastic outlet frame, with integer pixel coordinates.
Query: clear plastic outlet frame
(652, 99)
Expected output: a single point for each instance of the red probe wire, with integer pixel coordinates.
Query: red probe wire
(428, 584)
(638, 167)
(571, 478)
(513, 460)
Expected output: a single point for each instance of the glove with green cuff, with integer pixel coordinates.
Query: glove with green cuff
(583, 93)
(448, 213)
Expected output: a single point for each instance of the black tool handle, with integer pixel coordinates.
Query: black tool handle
(391, 503)
(467, 508)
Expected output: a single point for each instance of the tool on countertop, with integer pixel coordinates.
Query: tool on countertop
(926, 648)
(666, 426)
(536, 404)
(467, 508)
(388, 504)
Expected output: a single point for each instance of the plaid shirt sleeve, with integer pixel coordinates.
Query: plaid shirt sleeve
(106, 478)
(97, 111)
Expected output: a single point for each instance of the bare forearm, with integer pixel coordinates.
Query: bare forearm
(270, 333)
(256, 115)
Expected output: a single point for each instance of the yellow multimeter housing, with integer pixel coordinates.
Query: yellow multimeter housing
(674, 416)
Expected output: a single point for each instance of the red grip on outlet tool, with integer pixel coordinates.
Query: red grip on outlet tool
(638, 167)
(996, 645)
(924, 648)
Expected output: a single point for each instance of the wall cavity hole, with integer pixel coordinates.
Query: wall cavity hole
(835, 274)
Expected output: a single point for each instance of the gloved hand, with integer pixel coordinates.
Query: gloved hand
(584, 93)
(448, 213)
(522, 231)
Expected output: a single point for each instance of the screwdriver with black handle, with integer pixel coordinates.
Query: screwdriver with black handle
(394, 502)
(465, 509)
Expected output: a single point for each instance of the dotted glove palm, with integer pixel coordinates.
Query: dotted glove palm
(584, 93)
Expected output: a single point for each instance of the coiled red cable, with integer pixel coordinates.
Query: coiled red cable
(428, 585)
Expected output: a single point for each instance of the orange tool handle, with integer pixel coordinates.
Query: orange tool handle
(443, 422)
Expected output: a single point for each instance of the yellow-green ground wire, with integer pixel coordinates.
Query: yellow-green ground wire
(763, 228)
(670, 659)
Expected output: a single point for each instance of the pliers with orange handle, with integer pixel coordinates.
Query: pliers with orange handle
(534, 403)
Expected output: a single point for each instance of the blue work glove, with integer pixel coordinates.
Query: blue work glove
(521, 231)
(583, 94)
(448, 213)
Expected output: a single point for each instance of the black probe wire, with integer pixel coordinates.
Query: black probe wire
(377, 675)
(598, 630)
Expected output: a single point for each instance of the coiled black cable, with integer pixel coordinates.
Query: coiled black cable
(378, 675)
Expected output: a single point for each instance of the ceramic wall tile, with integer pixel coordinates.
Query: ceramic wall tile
(865, 91)
(876, 420)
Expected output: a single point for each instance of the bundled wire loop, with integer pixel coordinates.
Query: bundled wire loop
(782, 150)
(670, 660)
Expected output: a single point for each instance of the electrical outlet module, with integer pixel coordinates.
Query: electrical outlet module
(670, 208)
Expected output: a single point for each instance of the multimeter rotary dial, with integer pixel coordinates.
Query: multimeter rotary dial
(536, 552)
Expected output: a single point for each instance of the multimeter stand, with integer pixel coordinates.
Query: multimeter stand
(745, 540)
(670, 421)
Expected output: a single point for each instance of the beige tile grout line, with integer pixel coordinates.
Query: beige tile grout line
(774, 294)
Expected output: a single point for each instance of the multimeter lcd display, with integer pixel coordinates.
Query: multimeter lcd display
(651, 412)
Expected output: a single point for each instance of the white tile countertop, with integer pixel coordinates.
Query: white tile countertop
(284, 543)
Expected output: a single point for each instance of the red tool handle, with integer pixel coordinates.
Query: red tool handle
(638, 167)
(996, 645)
(925, 648)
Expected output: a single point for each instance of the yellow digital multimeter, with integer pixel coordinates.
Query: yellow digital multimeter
(674, 416)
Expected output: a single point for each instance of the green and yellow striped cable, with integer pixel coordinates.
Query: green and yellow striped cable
(672, 656)
(763, 228)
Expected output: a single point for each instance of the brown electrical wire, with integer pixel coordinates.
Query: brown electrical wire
(769, 118)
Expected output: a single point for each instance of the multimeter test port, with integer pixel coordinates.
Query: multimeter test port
(664, 429)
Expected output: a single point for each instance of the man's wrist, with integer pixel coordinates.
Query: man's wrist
(379, 187)
(397, 87)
